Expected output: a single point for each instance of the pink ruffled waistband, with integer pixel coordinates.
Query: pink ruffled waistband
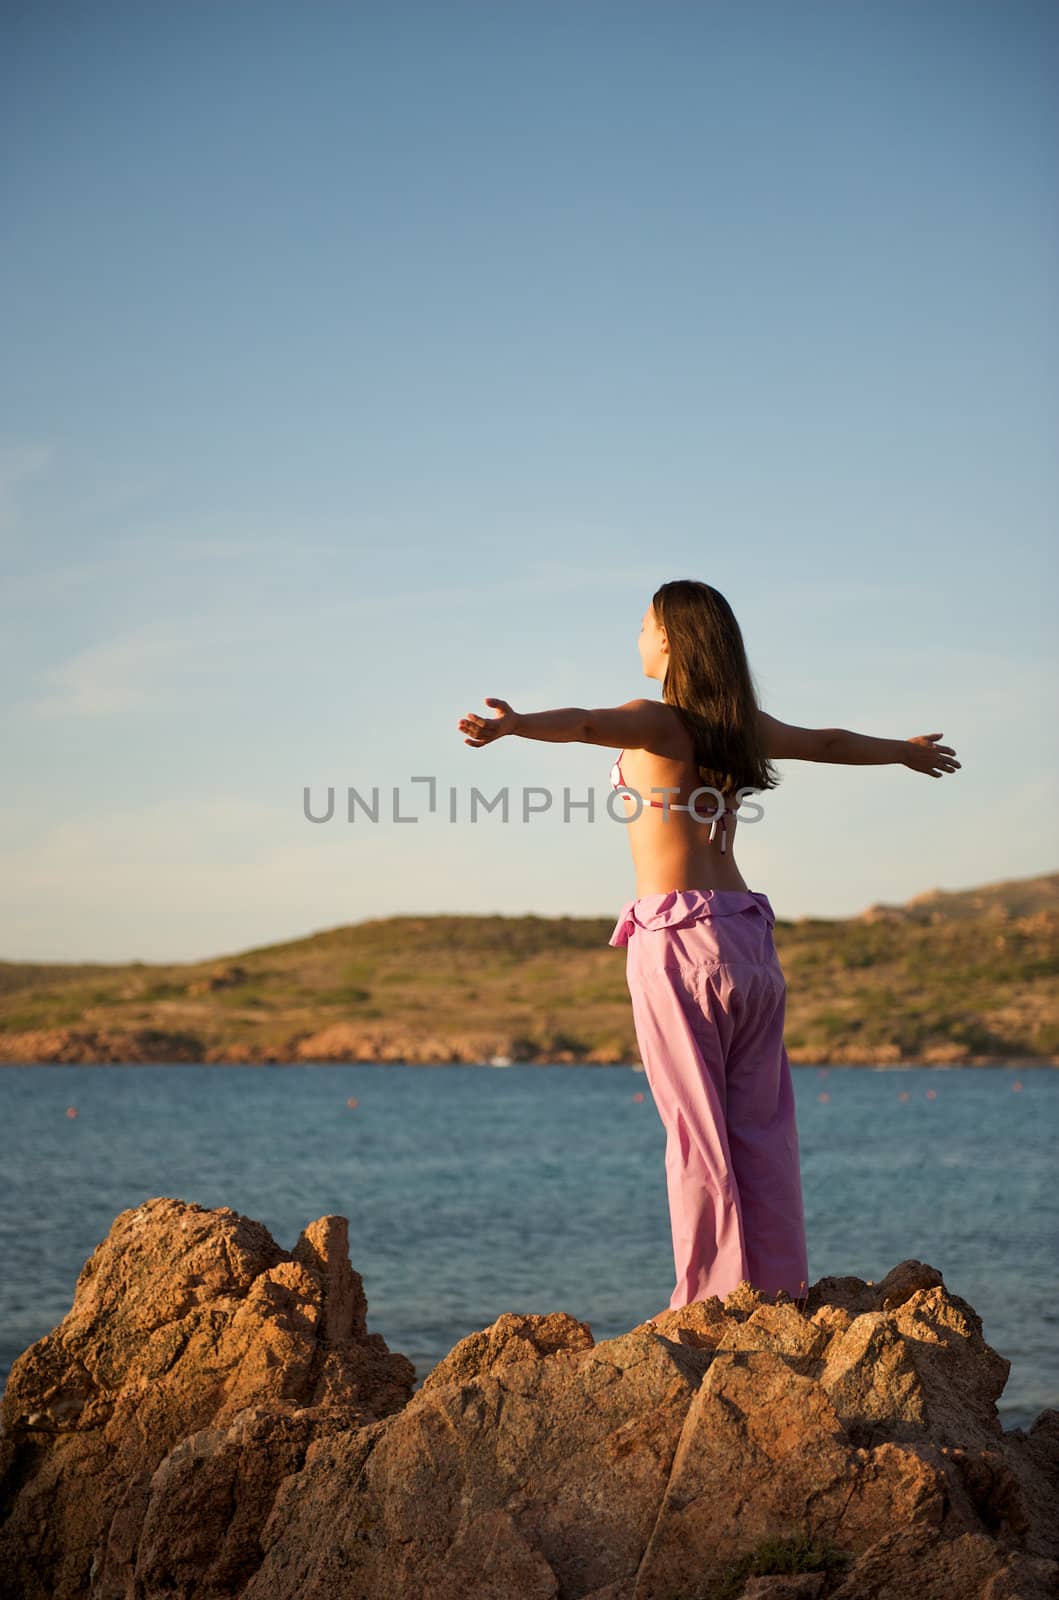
(678, 907)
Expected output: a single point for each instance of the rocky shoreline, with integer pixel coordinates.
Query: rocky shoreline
(341, 1042)
(214, 1420)
(962, 978)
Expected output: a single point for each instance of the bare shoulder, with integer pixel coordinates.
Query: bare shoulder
(668, 733)
(677, 736)
(639, 725)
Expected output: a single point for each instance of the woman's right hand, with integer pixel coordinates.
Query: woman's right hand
(483, 730)
(926, 756)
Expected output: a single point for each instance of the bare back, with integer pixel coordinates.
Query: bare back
(672, 849)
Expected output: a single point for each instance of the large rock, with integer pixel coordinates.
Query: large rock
(195, 1345)
(213, 1420)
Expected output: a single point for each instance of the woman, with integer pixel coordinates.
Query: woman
(708, 992)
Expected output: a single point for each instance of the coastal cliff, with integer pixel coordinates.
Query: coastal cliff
(213, 1420)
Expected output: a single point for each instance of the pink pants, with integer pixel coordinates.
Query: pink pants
(708, 1000)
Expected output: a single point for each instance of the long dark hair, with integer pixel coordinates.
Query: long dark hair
(709, 683)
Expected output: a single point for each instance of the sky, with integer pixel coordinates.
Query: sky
(361, 362)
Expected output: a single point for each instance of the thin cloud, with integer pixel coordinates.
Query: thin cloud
(17, 463)
(123, 674)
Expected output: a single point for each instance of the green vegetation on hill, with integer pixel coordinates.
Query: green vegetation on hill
(971, 976)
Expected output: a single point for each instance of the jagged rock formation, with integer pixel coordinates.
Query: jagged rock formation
(196, 1366)
(212, 1419)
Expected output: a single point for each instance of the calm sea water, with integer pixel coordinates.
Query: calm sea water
(471, 1191)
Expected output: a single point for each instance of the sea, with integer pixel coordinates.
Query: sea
(475, 1190)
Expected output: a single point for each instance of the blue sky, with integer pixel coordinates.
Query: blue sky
(361, 362)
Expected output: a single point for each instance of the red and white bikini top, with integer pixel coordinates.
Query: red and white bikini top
(618, 782)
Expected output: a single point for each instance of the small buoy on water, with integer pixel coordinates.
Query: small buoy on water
(352, 1102)
(823, 1097)
(932, 1094)
(71, 1111)
(1016, 1085)
(638, 1095)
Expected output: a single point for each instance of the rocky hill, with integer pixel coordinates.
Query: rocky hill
(958, 977)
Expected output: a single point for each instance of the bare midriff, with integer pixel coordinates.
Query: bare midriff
(671, 849)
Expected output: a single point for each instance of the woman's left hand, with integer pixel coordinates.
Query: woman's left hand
(483, 730)
(926, 755)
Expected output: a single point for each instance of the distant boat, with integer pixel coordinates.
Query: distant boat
(500, 1061)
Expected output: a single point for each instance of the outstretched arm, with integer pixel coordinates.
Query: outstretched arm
(843, 748)
(638, 725)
